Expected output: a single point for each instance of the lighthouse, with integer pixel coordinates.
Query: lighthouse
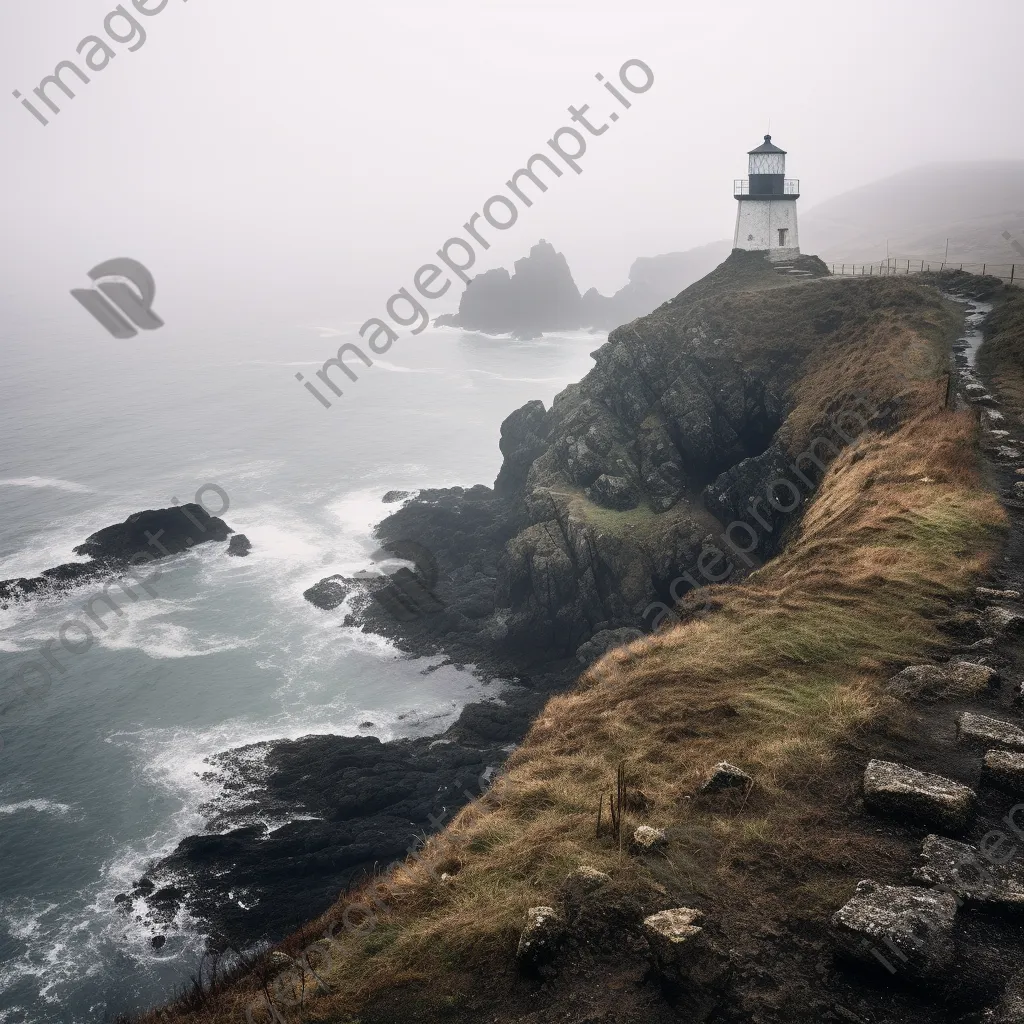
(766, 214)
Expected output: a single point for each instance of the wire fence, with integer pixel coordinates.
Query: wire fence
(1011, 273)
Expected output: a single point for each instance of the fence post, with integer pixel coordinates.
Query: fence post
(1013, 267)
(984, 267)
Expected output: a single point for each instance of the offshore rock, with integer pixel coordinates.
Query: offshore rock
(142, 537)
(239, 545)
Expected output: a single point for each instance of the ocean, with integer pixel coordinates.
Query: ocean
(104, 771)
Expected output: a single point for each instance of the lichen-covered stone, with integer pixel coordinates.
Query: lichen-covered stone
(988, 594)
(726, 776)
(540, 939)
(996, 732)
(996, 621)
(1004, 769)
(958, 679)
(683, 951)
(898, 929)
(961, 869)
(649, 840)
(902, 792)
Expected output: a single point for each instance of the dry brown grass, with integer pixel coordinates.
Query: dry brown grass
(778, 680)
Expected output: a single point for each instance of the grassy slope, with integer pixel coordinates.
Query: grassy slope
(779, 681)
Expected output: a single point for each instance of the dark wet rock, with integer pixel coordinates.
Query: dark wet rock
(239, 545)
(607, 640)
(392, 496)
(902, 792)
(157, 942)
(124, 547)
(175, 529)
(338, 807)
(955, 680)
(329, 592)
(985, 731)
(726, 776)
(908, 927)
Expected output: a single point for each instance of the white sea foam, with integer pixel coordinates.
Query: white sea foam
(45, 482)
(516, 380)
(395, 368)
(39, 806)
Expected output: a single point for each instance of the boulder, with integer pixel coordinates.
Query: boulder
(901, 792)
(1004, 769)
(992, 732)
(614, 492)
(239, 545)
(541, 938)
(329, 592)
(956, 680)
(682, 950)
(988, 594)
(726, 776)
(581, 890)
(961, 869)
(392, 496)
(648, 840)
(903, 930)
(579, 886)
(175, 530)
(604, 641)
(996, 621)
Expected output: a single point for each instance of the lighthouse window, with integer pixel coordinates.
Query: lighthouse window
(783, 232)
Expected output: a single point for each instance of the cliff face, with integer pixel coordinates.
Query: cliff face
(636, 486)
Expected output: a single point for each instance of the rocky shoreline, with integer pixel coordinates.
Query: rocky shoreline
(601, 503)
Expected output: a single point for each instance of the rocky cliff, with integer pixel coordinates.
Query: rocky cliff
(635, 486)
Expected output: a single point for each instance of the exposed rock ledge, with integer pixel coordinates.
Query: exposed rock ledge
(142, 537)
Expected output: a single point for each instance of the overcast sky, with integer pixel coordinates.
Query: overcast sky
(337, 145)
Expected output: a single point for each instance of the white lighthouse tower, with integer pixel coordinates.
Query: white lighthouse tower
(766, 218)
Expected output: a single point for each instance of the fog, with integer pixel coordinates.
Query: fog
(251, 149)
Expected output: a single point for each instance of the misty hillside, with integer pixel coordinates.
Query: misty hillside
(971, 203)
